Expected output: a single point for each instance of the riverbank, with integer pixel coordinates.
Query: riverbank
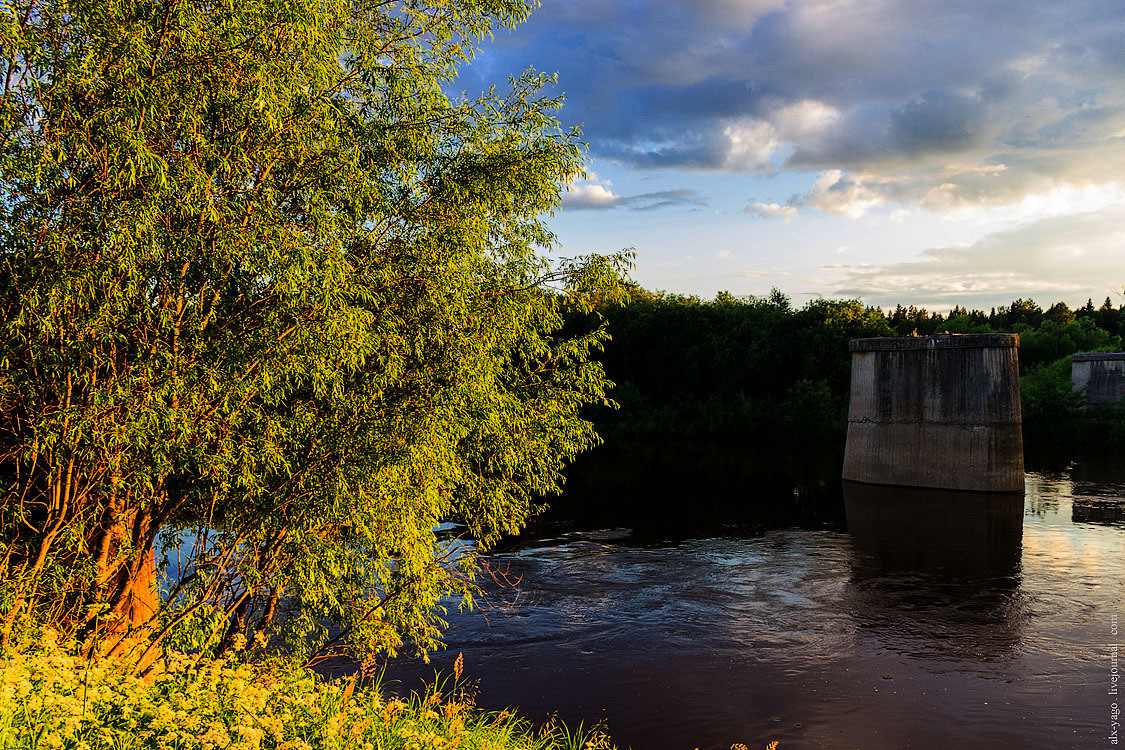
(52, 699)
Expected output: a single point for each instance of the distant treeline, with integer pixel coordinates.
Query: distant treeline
(760, 369)
(1045, 335)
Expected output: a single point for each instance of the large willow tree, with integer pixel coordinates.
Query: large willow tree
(273, 307)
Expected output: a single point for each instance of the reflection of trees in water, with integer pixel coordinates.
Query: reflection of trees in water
(935, 573)
(697, 486)
(1098, 510)
(1044, 492)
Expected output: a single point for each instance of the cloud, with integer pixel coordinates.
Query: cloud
(589, 194)
(770, 210)
(593, 193)
(750, 273)
(936, 123)
(934, 103)
(1067, 256)
(839, 193)
(962, 192)
(663, 199)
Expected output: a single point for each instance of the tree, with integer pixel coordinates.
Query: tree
(1060, 313)
(828, 327)
(274, 304)
(1108, 318)
(1020, 312)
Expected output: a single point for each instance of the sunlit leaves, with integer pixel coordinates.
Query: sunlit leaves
(264, 281)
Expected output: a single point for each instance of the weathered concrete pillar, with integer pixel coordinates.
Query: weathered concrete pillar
(1101, 375)
(936, 411)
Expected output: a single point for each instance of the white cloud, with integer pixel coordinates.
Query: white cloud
(840, 193)
(749, 145)
(1068, 256)
(803, 122)
(590, 194)
(769, 210)
(593, 192)
(893, 113)
(1059, 200)
(910, 89)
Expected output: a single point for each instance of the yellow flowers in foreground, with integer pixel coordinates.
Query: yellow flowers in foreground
(51, 699)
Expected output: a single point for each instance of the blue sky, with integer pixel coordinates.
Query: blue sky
(929, 152)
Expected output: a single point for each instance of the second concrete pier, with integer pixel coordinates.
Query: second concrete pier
(1101, 375)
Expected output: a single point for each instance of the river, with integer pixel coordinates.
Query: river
(899, 620)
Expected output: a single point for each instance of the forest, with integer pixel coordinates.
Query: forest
(760, 369)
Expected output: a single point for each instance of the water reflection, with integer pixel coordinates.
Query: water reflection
(938, 533)
(1046, 492)
(935, 620)
(936, 573)
(1099, 495)
(695, 487)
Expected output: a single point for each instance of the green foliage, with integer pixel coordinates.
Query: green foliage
(265, 287)
(809, 409)
(1052, 340)
(1021, 312)
(50, 699)
(1055, 418)
(1050, 408)
(747, 366)
(758, 370)
(827, 327)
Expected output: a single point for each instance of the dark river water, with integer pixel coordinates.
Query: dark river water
(907, 619)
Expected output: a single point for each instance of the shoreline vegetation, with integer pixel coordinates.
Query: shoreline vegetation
(267, 287)
(51, 699)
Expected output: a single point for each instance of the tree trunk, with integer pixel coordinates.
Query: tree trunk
(130, 585)
(143, 599)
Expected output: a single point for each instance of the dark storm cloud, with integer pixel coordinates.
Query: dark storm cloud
(937, 122)
(895, 89)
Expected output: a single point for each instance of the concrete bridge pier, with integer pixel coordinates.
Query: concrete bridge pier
(1101, 375)
(936, 411)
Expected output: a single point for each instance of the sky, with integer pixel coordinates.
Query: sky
(925, 152)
